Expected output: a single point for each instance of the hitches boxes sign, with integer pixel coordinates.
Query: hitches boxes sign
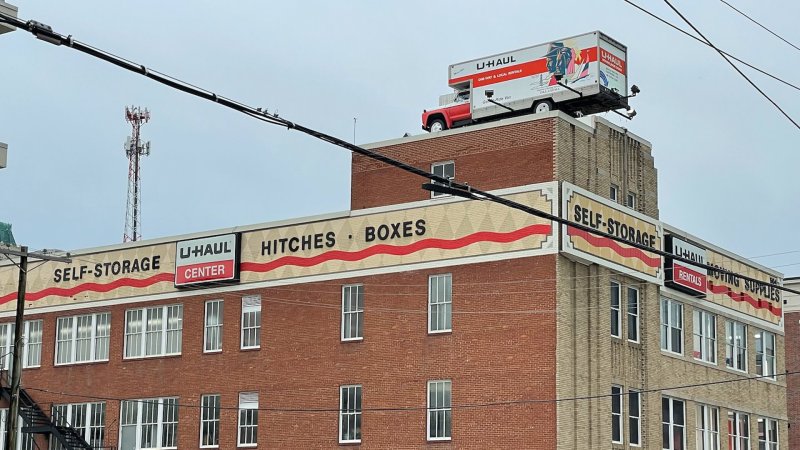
(207, 260)
(684, 276)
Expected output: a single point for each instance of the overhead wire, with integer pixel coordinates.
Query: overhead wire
(725, 57)
(760, 25)
(739, 60)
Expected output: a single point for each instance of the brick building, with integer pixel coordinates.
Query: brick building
(792, 317)
(418, 320)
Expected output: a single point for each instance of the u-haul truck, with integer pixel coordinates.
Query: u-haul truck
(580, 75)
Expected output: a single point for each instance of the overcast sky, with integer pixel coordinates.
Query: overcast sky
(727, 160)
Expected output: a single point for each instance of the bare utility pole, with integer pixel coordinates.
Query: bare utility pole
(12, 421)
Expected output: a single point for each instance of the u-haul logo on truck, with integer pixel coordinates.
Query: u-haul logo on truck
(207, 260)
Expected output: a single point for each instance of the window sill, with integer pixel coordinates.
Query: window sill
(81, 363)
(250, 349)
(360, 339)
(447, 439)
(434, 333)
(247, 446)
(212, 352)
(142, 358)
(346, 443)
(671, 353)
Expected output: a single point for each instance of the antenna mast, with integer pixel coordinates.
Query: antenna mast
(134, 150)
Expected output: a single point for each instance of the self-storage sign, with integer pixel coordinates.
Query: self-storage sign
(207, 260)
(593, 211)
(681, 275)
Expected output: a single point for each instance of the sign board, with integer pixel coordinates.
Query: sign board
(760, 299)
(683, 276)
(426, 234)
(207, 260)
(613, 67)
(593, 211)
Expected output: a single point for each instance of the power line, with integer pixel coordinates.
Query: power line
(725, 57)
(762, 26)
(500, 403)
(45, 33)
(664, 21)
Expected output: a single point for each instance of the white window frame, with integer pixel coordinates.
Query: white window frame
(707, 427)
(635, 438)
(616, 312)
(670, 421)
(443, 166)
(631, 314)
(352, 312)
(100, 324)
(705, 336)
(213, 326)
(26, 443)
(440, 299)
(445, 408)
(617, 394)
(613, 193)
(251, 304)
(739, 421)
(768, 428)
(248, 406)
(210, 414)
(630, 200)
(733, 343)
(670, 324)
(768, 365)
(350, 412)
(167, 327)
(64, 415)
(31, 344)
(164, 424)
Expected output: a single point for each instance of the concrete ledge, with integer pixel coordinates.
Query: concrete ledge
(10, 10)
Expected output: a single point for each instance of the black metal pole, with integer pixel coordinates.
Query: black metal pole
(13, 410)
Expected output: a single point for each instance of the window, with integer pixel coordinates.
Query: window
(26, 443)
(671, 326)
(439, 410)
(738, 431)
(445, 170)
(705, 336)
(32, 344)
(82, 338)
(616, 315)
(251, 322)
(614, 193)
(212, 338)
(349, 414)
(248, 419)
(209, 420)
(635, 417)
(767, 434)
(630, 200)
(673, 424)
(736, 345)
(616, 414)
(153, 331)
(765, 354)
(352, 312)
(707, 428)
(148, 423)
(633, 315)
(88, 419)
(440, 303)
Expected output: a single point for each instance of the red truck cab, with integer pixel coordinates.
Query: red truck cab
(453, 114)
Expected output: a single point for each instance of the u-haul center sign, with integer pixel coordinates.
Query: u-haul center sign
(207, 260)
(581, 206)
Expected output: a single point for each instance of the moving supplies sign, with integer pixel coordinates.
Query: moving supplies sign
(760, 299)
(579, 205)
(457, 231)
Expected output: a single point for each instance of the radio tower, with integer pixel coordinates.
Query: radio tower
(134, 150)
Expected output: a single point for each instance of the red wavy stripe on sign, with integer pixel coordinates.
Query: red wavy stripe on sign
(625, 252)
(91, 287)
(742, 297)
(398, 250)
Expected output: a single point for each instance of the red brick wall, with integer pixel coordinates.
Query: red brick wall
(792, 343)
(495, 353)
(499, 157)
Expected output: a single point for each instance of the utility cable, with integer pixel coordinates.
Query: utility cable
(762, 26)
(725, 57)
(664, 21)
(423, 408)
(45, 33)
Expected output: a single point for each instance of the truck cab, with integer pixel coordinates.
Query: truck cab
(452, 114)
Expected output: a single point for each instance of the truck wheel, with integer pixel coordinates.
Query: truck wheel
(437, 125)
(543, 106)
